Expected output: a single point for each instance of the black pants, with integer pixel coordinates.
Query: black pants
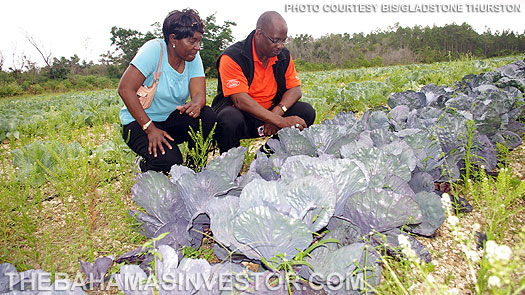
(177, 126)
(234, 124)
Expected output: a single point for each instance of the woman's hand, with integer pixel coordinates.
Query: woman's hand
(156, 138)
(190, 108)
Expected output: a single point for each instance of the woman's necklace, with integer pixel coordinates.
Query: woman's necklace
(177, 65)
(175, 62)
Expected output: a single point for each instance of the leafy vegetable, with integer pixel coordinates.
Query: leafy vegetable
(38, 161)
(381, 210)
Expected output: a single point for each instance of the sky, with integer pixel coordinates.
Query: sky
(65, 28)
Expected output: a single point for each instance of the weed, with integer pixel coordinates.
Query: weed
(280, 262)
(190, 252)
(150, 247)
(498, 197)
(197, 156)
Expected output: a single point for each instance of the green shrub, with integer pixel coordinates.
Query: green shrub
(35, 89)
(10, 89)
(6, 77)
(68, 85)
(304, 66)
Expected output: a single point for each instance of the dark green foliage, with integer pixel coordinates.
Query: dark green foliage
(402, 45)
(395, 45)
(215, 39)
(127, 42)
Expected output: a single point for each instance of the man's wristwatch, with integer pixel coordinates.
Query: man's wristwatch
(283, 107)
(146, 125)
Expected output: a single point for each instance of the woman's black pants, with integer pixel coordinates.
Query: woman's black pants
(177, 126)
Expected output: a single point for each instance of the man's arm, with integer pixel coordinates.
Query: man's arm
(291, 96)
(245, 103)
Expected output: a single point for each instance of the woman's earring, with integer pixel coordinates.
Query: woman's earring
(173, 45)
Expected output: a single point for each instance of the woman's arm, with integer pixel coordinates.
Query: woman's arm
(198, 98)
(130, 82)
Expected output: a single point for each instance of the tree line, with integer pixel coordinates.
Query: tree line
(402, 45)
(392, 46)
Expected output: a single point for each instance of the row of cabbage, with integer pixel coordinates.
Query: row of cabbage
(68, 110)
(359, 89)
(42, 161)
(366, 183)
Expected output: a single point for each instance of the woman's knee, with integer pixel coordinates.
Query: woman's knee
(163, 162)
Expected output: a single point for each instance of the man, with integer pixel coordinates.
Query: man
(258, 88)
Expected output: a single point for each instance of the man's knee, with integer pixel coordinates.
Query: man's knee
(231, 127)
(303, 110)
(309, 114)
(208, 118)
(230, 118)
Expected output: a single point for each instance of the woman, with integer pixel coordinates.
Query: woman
(154, 133)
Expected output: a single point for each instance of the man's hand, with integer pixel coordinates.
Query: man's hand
(156, 138)
(270, 129)
(245, 103)
(292, 121)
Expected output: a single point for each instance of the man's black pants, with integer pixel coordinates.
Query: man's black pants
(234, 124)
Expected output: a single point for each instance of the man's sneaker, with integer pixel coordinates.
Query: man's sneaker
(266, 149)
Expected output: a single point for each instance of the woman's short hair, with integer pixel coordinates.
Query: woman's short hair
(182, 23)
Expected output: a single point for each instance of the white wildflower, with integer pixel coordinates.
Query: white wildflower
(403, 241)
(503, 253)
(472, 255)
(406, 248)
(447, 204)
(414, 286)
(491, 247)
(453, 291)
(431, 278)
(445, 198)
(494, 281)
(459, 235)
(453, 220)
(495, 252)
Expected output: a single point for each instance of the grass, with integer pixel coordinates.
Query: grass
(460, 265)
(81, 212)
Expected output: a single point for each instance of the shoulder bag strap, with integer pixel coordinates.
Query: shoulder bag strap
(157, 74)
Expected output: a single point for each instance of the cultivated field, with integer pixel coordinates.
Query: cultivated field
(67, 178)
